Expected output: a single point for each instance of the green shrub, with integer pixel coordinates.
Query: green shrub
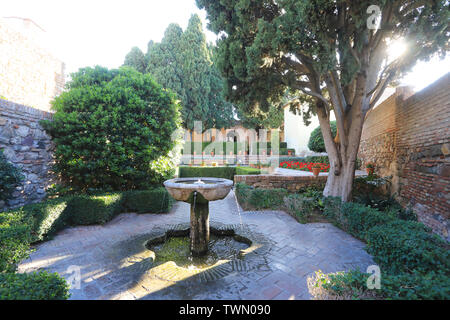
(10, 177)
(148, 201)
(113, 130)
(216, 172)
(210, 172)
(316, 142)
(353, 285)
(407, 246)
(243, 192)
(15, 242)
(267, 198)
(33, 286)
(414, 262)
(45, 219)
(317, 159)
(294, 159)
(87, 210)
(256, 199)
(355, 218)
(242, 171)
(300, 206)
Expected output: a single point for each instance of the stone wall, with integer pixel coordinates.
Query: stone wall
(28, 73)
(28, 147)
(408, 138)
(291, 183)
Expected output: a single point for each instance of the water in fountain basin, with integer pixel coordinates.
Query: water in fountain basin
(177, 249)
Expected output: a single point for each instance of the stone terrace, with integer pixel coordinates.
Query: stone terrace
(114, 264)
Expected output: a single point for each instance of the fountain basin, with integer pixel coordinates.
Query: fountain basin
(211, 189)
(199, 192)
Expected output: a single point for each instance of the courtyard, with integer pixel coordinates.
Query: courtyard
(114, 263)
(225, 150)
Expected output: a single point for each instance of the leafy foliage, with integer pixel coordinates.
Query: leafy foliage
(353, 285)
(10, 177)
(406, 246)
(216, 172)
(33, 286)
(316, 142)
(184, 63)
(155, 200)
(257, 198)
(326, 51)
(86, 210)
(15, 239)
(110, 128)
(413, 261)
(300, 206)
(136, 59)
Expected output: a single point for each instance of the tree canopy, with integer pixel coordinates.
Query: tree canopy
(112, 130)
(184, 63)
(334, 51)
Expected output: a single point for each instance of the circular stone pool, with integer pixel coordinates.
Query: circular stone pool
(177, 249)
(174, 246)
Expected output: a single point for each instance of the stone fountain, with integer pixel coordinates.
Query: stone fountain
(199, 192)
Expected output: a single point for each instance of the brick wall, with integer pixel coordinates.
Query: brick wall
(408, 137)
(28, 147)
(28, 74)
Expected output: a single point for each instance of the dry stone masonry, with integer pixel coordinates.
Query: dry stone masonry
(27, 146)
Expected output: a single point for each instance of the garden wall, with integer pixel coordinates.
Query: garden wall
(408, 138)
(28, 147)
(29, 74)
(291, 183)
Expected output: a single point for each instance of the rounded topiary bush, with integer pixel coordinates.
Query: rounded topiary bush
(112, 130)
(316, 142)
(10, 178)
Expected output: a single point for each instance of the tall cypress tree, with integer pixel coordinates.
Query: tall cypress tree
(183, 63)
(165, 61)
(196, 75)
(136, 59)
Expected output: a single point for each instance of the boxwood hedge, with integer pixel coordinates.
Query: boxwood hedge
(33, 286)
(216, 172)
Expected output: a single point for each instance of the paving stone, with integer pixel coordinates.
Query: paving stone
(115, 264)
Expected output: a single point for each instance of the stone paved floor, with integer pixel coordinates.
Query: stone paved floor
(114, 264)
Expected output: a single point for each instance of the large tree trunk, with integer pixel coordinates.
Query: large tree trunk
(340, 185)
(342, 152)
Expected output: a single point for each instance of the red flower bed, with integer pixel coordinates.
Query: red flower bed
(304, 166)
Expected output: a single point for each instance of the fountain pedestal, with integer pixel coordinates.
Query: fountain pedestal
(199, 232)
(199, 192)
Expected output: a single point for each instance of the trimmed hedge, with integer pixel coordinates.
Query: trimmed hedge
(45, 219)
(251, 198)
(352, 285)
(316, 142)
(216, 172)
(33, 286)
(36, 222)
(15, 239)
(86, 210)
(354, 218)
(244, 171)
(210, 172)
(415, 263)
(406, 246)
(154, 201)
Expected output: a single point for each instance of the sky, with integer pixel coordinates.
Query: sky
(101, 32)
